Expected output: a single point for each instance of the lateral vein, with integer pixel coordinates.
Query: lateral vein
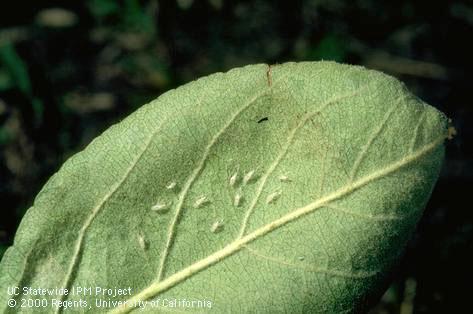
(285, 150)
(195, 174)
(80, 241)
(327, 271)
(372, 138)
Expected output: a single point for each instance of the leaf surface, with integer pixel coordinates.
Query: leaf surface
(290, 188)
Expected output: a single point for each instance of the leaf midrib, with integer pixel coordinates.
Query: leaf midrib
(237, 245)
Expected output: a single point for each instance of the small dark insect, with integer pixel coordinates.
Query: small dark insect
(263, 119)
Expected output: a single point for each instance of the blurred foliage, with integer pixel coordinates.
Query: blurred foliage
(68, 70)
(16, 74)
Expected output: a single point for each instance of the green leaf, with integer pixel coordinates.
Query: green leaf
(331, 47)
(103, 8)
(16, 68)
(291, 188)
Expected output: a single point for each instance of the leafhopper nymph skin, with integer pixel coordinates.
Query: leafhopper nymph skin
(248, 177)
(273, 197)
(160, 207)
(201, 201)
(142, 242)
(284, 178)
(217, 226)
(237, 199)
(233, 179)
(171, 185)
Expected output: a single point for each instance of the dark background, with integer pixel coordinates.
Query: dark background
(69, 71)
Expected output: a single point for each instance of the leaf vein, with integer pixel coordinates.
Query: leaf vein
(327, 271)
(372, 138)
(78, 247)
(416, 132)
(366, 216)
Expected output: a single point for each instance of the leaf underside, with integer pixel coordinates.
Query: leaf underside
(290, 188)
